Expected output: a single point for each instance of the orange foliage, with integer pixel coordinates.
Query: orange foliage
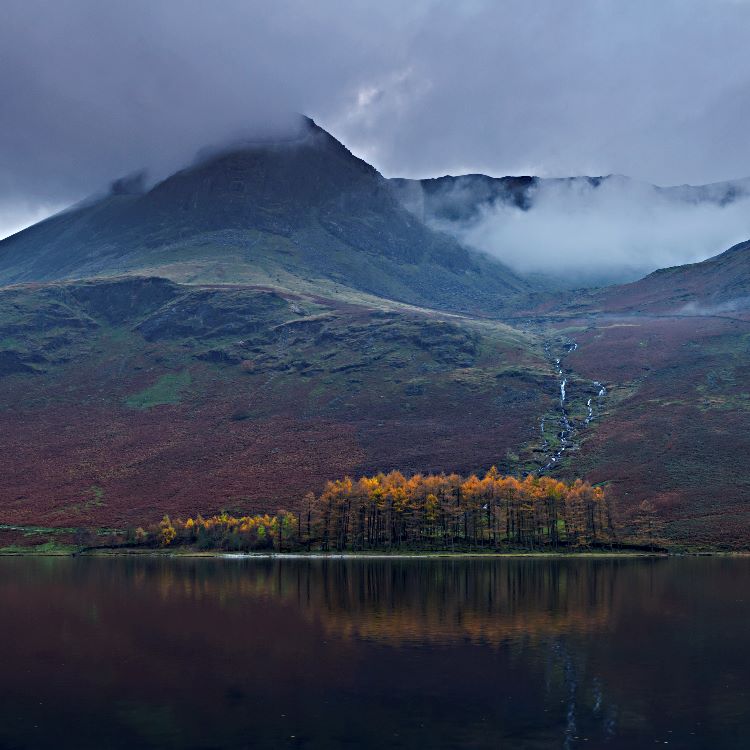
(422, 511)
(445, 511)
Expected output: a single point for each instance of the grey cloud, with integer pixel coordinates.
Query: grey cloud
(92, 90)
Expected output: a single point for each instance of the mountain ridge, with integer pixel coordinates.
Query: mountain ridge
(461, 197)
(570, 232)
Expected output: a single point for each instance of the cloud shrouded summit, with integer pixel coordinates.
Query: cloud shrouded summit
(91, 91)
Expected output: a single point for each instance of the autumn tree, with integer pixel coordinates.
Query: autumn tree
(167, 531)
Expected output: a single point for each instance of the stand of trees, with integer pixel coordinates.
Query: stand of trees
(448, 511)
(420, 512)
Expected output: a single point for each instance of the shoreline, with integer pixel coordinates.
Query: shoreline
(223, 555)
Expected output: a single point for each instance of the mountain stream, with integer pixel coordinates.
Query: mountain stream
(566, 423)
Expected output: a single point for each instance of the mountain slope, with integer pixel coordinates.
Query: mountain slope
(299, 213)
(674, 424)
(124, 399)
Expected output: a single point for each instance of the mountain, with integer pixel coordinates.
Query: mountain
(273, 316)
(302, 214)
(253, 325)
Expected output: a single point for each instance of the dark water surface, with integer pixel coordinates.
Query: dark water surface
(525, 653)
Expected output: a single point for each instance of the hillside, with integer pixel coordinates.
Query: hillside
(124, 399)
(140, 396)
(301, 214)
(671, 351)
(674, 425)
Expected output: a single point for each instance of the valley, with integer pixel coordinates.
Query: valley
(243, 398)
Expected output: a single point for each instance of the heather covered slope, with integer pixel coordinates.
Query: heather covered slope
(674, 426)
(302, 214)
(121, 400)
(673, 352)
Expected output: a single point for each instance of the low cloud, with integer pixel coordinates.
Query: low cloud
(619, 230)
(737, 304)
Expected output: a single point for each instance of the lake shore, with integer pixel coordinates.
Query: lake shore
(416, 555)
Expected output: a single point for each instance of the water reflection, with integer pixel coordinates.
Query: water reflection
(439, 602)
(405, 653)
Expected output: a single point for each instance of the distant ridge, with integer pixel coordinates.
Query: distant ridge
(463, 197)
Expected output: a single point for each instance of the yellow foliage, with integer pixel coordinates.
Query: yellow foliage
(167, 531)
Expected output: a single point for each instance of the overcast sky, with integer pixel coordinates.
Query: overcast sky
(93, 89)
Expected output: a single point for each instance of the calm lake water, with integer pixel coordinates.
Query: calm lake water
(525, 653)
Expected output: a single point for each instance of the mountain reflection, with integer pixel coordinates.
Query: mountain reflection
(199, 653)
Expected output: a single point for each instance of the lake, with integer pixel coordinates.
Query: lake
(405, 653)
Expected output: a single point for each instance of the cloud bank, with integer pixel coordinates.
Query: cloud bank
(619, 230)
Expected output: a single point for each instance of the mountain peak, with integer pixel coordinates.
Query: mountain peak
(293, 208)
(302, 133)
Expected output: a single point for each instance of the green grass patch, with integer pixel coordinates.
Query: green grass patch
(166, 390)
(48, 548)
(29, 530)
